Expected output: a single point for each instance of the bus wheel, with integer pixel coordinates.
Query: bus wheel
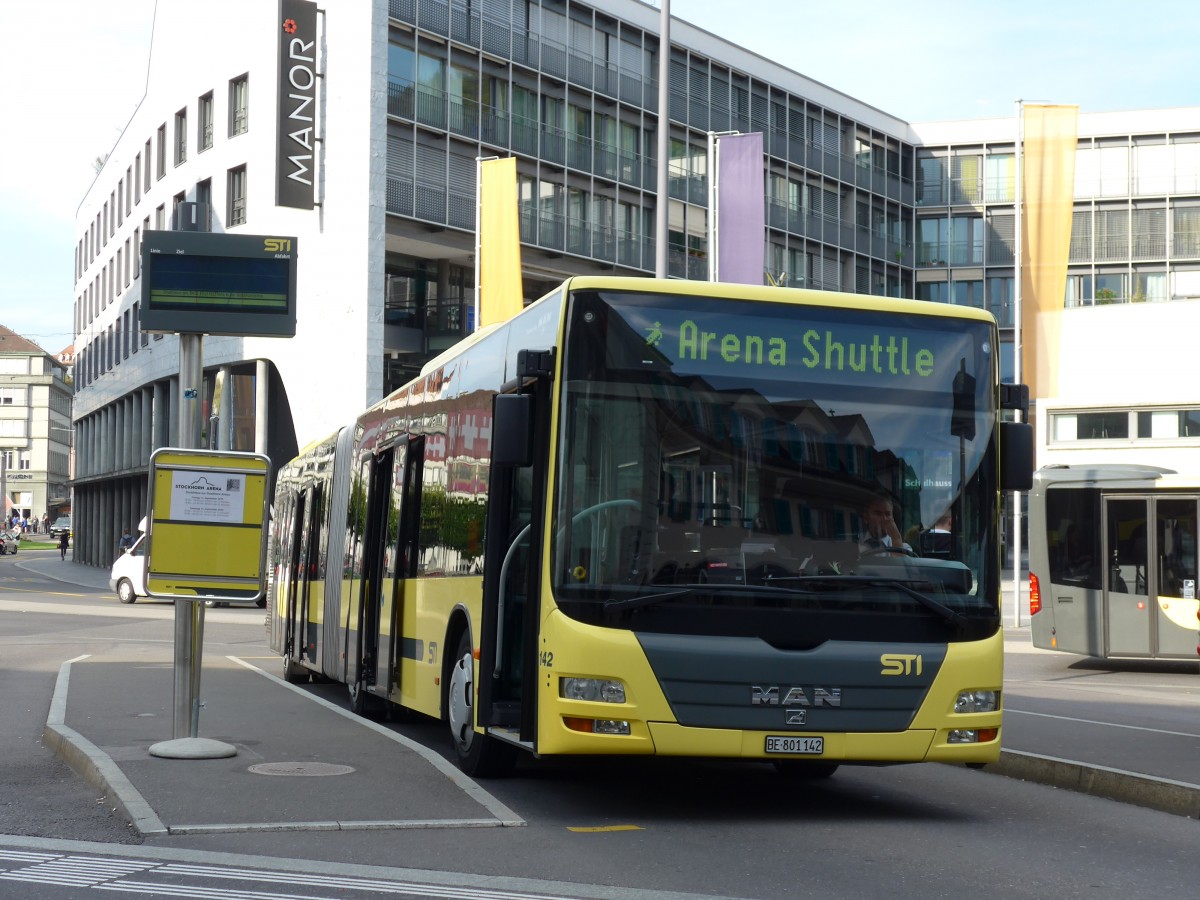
(363, 702)
(478, 754)
(125, 591)
(802, 770)
(293, 672)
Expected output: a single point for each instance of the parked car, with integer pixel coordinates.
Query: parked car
(61, 524)
(128, 575)
(9, 542)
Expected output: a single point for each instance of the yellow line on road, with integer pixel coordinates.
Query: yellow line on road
(40, 593)
(589, 829)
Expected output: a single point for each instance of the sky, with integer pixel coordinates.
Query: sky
(74, 78)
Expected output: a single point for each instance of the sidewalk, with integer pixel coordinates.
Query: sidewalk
(302, 764)
(46, 561)
(109, 708)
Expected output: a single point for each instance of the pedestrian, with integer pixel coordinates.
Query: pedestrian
(63, 540)
(124, 543)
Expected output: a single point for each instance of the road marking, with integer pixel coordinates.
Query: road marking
(1023, 712)
(145, 876)
(592, 829)
(5, 587)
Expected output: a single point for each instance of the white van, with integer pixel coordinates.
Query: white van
(128, 575)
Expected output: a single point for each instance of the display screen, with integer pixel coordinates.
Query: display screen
(215, 282)
(218, 284)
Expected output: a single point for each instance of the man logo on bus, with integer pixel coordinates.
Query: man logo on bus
(794, 696)
(655, 335)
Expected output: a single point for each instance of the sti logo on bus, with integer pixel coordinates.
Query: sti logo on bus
(794, 696)
(900, 664)
(277, 245)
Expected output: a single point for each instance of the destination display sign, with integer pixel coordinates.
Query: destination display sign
(806, 344)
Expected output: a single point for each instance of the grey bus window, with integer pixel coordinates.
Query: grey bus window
(1073, 532)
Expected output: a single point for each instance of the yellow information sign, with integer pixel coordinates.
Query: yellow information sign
(207, 537)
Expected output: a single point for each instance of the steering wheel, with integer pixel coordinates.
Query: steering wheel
(878, 551)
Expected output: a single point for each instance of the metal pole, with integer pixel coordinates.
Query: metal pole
(1017, 372)
(478, 218)
(189, 614)
(664, 139)
(712, 206)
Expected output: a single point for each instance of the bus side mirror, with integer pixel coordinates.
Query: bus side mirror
(1016, 456)
(512, 430)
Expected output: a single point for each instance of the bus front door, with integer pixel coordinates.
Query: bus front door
(1126, 588)
(399, 559)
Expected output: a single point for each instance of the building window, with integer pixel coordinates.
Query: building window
(146, 172)
(12, 396)
(239, 105)
(237, 196)
(181, 137)
(204, 202)
(12, 428)
(162, 151)
(204, 127)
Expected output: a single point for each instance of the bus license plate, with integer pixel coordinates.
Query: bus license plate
(812, 746)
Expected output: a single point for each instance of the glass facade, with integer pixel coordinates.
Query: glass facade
(572, 94)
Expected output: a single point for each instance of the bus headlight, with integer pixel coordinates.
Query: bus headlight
(602, 690)
(977, 701)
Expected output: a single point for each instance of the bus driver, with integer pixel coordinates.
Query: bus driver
(882, 533)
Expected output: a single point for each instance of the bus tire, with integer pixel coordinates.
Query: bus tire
(479, 755)
(805, 770)
(362, 701)
(294, 673)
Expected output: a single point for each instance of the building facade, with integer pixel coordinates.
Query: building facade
(406, 95)
(35, 430)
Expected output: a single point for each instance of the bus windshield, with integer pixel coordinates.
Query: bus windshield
(719, 458)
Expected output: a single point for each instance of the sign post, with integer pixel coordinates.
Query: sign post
(205, 541)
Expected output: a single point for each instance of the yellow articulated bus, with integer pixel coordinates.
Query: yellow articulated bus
(675, 518)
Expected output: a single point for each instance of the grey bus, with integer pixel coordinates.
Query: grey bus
(1112, 561)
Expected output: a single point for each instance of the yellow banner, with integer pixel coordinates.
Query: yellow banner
(500, 296)
(1049, 193)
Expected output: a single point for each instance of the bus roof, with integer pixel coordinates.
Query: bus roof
(766, 293)
(1099, 472)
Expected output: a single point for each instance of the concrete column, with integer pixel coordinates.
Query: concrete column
(120, 435)
(225, 412)
(262, 391)
(135, 429)
(172, 415)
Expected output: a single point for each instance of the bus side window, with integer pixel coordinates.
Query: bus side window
(1073, 536)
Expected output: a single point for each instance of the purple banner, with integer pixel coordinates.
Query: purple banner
(741, 208)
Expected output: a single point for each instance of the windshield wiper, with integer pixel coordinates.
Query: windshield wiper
(651, 599)
(953, 616)
(648, 599)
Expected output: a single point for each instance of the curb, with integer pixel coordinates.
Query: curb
(1163, 794)
(92, 764)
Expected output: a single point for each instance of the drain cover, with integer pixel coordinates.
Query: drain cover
(305, 769)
